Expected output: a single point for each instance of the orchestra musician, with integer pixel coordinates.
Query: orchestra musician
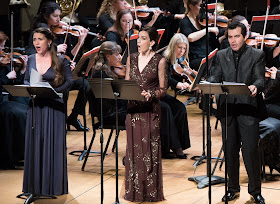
(12, 112)
(243, 64)
(106, 60)
(177, 48)
(108, 14)
(121, 29)
(143, 173)
(49, 163)
(195, 33)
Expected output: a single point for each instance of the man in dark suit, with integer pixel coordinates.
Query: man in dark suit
(242, 64)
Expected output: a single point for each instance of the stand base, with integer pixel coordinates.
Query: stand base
(201, 158)
(83, 153)
(203, 181)
(32, 197)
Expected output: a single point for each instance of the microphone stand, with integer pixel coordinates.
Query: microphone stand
(101, 140)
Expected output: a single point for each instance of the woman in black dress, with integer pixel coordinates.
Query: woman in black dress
(47, 166)
(177, 48)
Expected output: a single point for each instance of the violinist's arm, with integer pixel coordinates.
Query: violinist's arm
(199, 34)
(179, 16)
(154, 18)
(276, 51)
(127, 69)
(82, 36)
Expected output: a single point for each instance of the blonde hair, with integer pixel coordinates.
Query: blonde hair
(107, 7)
(170, 53)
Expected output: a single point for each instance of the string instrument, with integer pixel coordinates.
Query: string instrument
(143, 12)
(183, 69)
(270, 40)
(220, 21)
(119, 70)
(62, 29)
(5, 58)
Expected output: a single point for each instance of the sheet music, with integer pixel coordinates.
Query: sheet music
(36, 80)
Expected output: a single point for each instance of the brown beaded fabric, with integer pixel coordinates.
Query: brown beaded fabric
(143, 167)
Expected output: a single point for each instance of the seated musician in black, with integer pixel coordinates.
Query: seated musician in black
(177, 48)
(12, 113)
(104, 66)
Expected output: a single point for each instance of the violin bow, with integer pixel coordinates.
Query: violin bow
(12, 41)
(134, 9)
(215, 22)
(265, 22)
(68, 27)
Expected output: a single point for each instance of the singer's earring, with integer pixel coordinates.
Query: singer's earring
(49, 45)
(150, 48)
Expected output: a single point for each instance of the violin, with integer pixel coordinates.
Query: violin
(221, 21)
(270, 40)
(143, 12)
(62, 27)
(119, 70)
(183, 69)
(5, 58)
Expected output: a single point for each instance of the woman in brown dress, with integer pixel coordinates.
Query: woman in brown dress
(143, 176)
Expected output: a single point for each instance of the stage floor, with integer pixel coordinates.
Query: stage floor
(84, 186)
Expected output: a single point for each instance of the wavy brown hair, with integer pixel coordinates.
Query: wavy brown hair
(107, 7)
(56, 62)
(100, 60)
(117, 25)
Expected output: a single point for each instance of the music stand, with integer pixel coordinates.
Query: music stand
(81, 70)
(112, 89)
(224, 88)
(32, 92)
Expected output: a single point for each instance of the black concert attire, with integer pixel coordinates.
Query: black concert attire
(109, 106)
(270, 127)
(247, 66)
(115, 37)
(12, 123)
(169, 23)
(179, 113)
(197, 49)
(104, 23)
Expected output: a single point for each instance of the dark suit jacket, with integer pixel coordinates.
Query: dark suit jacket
(250, 70)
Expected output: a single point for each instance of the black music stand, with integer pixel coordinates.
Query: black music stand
(32, 92)
(200, 74)
(81, 70)
(224, 88)
(112, 89)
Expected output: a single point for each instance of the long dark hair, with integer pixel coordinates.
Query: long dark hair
(153, 34)
(46, 10)
(56, 62)
(117, 25)
(100, 60)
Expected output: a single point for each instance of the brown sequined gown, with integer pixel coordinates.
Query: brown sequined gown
(143, 167)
